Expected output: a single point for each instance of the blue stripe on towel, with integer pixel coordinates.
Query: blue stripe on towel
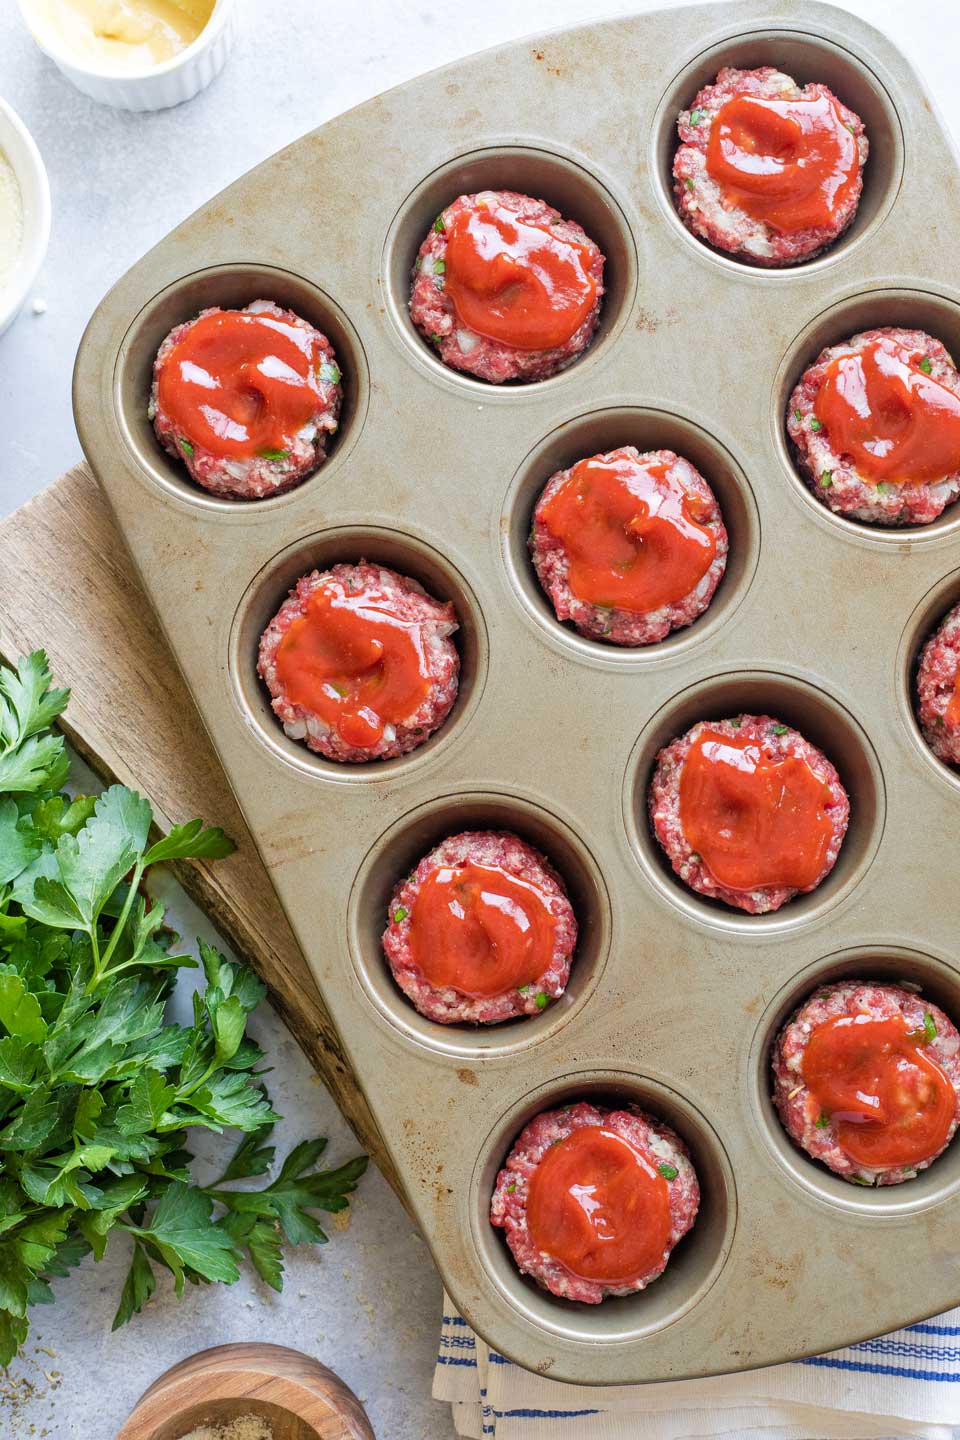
(866, 1368)
(894, 1347)
(543, 1414)
(888, 1345)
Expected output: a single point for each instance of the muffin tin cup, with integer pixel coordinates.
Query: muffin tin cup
(352, 544)
(673, 1000)
(398, 852)
(910, 307)
(820, 718)
(231, 287)
(567, 183)
(645, 429)
(697, 1258)
(938, 980)
(927, 618)
(806, 58)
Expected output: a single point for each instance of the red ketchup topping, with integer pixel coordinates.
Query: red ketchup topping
(632, 535)
(895, 422)
(790, 163)
(515, 281)
(952, 716)
(598, 1206)
(350, 661)
(480, 930)
(891, 1104)
(241, 385)
(754, 819)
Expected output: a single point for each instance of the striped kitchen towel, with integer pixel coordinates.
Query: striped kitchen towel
(904, 1384)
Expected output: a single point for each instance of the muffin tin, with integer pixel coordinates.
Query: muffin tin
(674, 1000)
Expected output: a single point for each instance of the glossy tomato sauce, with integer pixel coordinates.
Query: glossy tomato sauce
(593, 1200)
(768, 170)
(792, 163)
(748, 811)
(480, 930)
(890, 1102)
(505, 288)
(757, 819)
(866, 1078)
(351, 661)
(881, 407)
(599, 1207)
(359, 663)
(515, 281)
(953, 704)
(635, 538)
(241, 385)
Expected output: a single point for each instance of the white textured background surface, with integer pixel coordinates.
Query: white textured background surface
(369, 1303)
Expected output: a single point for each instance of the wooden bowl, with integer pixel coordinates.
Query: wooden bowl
(301, 1399)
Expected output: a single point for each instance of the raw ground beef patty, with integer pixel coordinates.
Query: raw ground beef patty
(832, 474)
(771, 742)
(712, 215)
(938, 689)
(433, 312)
(803, 1116)
(276, 469)
(615, 624)
(662, 1151)
(447, 1004)
(376, 592)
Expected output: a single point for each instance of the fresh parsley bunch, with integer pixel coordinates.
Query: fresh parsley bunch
(97, 1092)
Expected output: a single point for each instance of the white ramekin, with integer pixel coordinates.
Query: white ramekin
(21, 150)
(159, 87)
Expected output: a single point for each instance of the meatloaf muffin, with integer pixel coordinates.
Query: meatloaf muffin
(866, 1079)
(594, 1200)
(629, 546)
(505, 288)
(767, 170)
(359, 663)
(875, 423)
(748, 811)
(246, 399)
(482, 931)
(938, 689)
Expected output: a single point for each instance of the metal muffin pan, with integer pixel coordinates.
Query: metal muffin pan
(673, 1000)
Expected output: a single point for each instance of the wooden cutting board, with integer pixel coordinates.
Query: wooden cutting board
(67, 584)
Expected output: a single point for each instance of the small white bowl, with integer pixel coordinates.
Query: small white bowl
(20, 148)
(155, 88)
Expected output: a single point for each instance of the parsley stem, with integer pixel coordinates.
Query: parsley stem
(100, 963)
(94, 980)
(185, 1091)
